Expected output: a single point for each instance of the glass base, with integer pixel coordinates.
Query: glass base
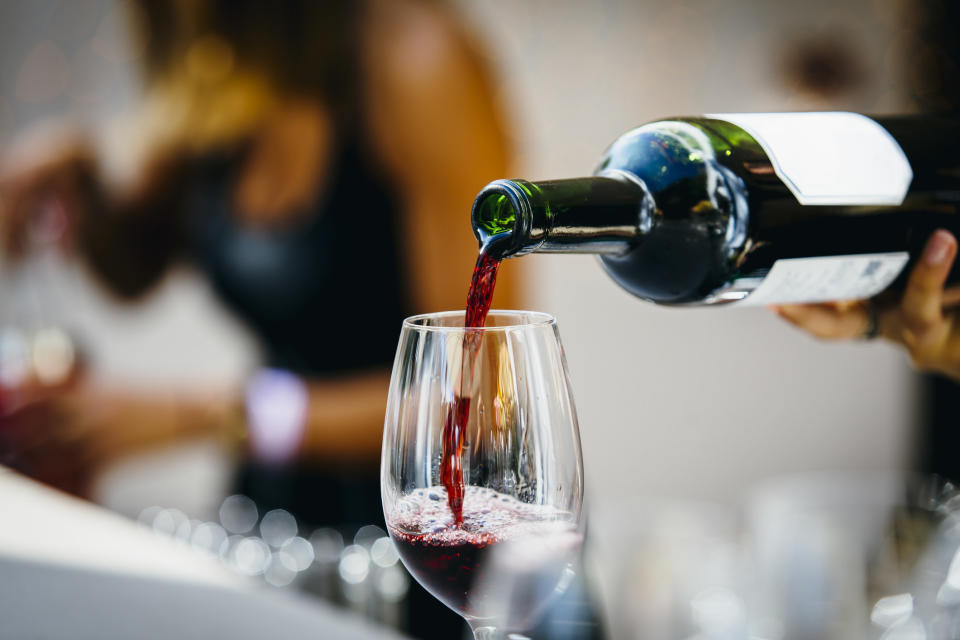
(492, 633)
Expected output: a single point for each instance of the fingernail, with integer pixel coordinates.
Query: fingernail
(938, 247)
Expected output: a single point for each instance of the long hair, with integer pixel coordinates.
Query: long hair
(211, 68)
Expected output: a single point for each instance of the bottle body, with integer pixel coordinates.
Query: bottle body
(718, 216)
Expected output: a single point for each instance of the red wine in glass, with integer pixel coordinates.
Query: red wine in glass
(447, 560)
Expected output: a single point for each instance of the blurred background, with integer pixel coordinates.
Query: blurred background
(690, 405)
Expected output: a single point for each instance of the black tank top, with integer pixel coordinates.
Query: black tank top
(325, 294)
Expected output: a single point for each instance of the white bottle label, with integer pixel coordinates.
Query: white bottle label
(834, 158)
(797, 280)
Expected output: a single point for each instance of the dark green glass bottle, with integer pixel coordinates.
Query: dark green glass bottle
(763, 208)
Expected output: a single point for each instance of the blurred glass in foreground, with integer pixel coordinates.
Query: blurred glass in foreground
(810, 557)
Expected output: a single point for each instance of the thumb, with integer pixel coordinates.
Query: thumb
(922, 304)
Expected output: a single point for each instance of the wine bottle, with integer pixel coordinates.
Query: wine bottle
(748, 208)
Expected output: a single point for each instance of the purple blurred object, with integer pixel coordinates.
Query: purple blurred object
(277, 403)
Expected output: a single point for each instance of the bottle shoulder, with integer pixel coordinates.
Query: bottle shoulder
(694, 172)
(666, 152)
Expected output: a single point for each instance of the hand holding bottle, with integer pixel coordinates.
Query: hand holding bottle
(924, 321)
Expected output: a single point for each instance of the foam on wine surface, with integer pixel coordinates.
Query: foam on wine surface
(488, 517)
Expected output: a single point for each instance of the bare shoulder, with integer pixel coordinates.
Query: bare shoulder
(437, 126)
(424, 73)
(416, 40)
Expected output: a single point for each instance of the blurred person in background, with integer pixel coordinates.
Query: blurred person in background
(316, 161)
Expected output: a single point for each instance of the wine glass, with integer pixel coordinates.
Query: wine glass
(522, 469)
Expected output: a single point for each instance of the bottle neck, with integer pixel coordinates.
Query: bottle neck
(603, 214)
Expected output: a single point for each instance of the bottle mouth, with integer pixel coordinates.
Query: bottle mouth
(501, 218)
(495, 214)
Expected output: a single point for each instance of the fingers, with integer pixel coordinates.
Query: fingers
(41, 189)
(20, 201)
(922, 304)
(951, 297)
(12, 217)
(926, 321)
(828, 321)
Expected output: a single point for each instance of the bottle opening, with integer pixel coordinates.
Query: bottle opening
(501, 218)
(495, 214)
